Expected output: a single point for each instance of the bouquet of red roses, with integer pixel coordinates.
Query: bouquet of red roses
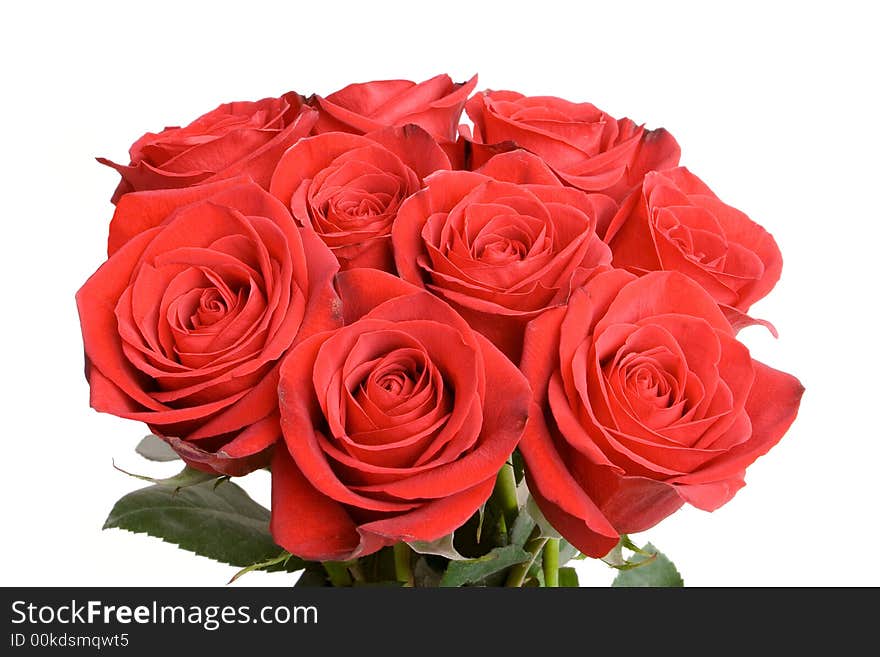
(466, 353)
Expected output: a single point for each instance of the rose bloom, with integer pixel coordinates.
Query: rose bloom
(241, 138)
(501, 245)
(644, 400)
(395, 425)
(435, 105)
(204, 291)
(675, 222)
(586, 147)
(348, 188)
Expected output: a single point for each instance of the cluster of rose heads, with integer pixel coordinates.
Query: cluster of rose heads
(382, 305)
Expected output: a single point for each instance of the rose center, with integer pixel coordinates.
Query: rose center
(394, 383)
(647, 383)
(697, 244)
(392, 380)
(500, 250)
(360, 206)
(213, 305)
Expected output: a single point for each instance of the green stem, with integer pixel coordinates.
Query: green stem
(354, 567)
(338, 573)
(402, 570)
(505, 493)
(551, 563)
(535, 544)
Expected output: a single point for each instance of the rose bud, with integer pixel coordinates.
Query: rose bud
(184, 326)
(395, 426)
(348, 188)
(644, 400)
(675, 222)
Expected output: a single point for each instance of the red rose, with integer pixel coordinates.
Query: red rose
(434, 105)
(395, 425)
(643, 400)
(243, 138)
(587, 148)
(675, 222)
(348, 188)
(205, 290)
(501, 245)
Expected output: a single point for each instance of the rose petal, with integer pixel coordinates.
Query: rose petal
(560, 498)
(432, 520)
(304, 521)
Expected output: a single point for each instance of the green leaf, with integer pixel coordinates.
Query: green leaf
(616, 559)
(186, 477)
(220, 523)
(568, 577)
(653, 570)
(522, 529)
(473, 571)
(154, 448)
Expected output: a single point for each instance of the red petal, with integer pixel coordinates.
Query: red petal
(96, 301)
(260, 163)
(361, 290)
(659, 293)
(323, 308)
(415, 147)
(739, 320)
(658, 150)
(304, 521)
(140, 211)
(562, 500)
(632, 504)
(142, 176)
(541, 351)
(772, 406)
(252, 451)
(521, 167)
(710, 497)
(431, 520)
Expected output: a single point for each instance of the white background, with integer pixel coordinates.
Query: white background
(774, 106)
